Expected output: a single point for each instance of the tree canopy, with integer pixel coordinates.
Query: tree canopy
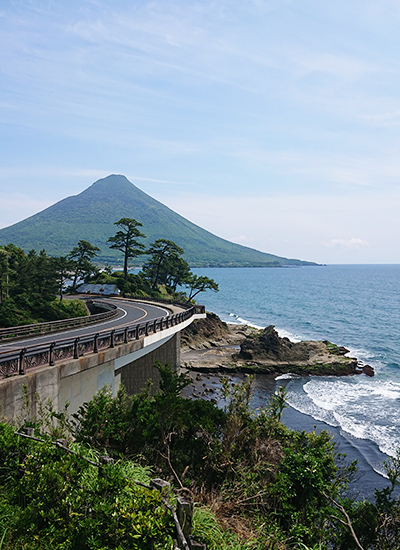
(30, 282)
(126, 241)
(83, 254)
(200, 283)
(163, 256)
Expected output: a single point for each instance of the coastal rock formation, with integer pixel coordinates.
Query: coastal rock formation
(312, 357)
(209, 345)
(207, 333)
(367, 370)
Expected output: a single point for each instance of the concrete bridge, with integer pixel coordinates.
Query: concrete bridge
(73, 369)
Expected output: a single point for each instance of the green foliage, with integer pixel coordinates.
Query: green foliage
(277, 403)
(132, 285)
(165, 256)
(166, 430)
(25, 310)
(171, 383)
(54, 499)
(82, 255)
(29, 283)
(237, 397)
(125, 240)
(207, 530)
(256, 464)
(68, 309)
(275, 488)
(199, 284)
(28, 286)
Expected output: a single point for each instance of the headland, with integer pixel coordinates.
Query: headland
(210, 345)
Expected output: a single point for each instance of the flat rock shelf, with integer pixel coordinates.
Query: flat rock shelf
(211, 345)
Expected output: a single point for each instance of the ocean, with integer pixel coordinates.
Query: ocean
(356, 306)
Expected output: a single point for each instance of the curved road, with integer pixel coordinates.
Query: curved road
(129, 313)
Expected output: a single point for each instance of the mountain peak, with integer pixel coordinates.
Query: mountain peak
(91, 216)
(113, 180)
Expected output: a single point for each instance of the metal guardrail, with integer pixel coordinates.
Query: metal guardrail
(17, 361)
(55, 326)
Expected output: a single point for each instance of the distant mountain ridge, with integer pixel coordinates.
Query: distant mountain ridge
(91, 215)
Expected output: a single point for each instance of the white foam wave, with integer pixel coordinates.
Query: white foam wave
(287, 376)
(241, 321)
(387, 390)
(365, 356)
(283, 333)
(286, 334)
(387, 438)
(362, 407)
(301, 402)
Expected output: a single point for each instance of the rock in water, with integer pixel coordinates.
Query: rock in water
(368, 370)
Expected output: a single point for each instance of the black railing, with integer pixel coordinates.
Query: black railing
(17, 361)
(109, 311)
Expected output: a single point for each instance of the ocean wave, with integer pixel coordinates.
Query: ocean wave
(241, 321)
(387, 438)
(299, 400)
(283, 333)
(286, 334)
(387, 390)
(362, 407)
(365, 356)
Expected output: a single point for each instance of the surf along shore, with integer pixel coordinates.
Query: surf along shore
(211, 349)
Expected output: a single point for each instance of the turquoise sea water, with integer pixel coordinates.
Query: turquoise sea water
(357, 306)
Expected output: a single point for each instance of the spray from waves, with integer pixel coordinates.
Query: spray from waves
(365, 356)
(297, 398)
(351, 404)
(287, 376)
(386, 437)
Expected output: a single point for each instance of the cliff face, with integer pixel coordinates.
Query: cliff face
(205, 333)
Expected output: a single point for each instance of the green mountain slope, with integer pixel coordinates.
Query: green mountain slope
(91, 216)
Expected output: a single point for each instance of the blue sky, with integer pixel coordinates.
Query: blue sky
(271, 123)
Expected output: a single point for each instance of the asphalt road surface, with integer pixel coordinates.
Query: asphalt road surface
(129, 313)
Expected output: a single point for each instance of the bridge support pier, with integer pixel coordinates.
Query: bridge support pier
(136, 374)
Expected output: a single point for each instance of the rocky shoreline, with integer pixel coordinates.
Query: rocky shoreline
(212, 346)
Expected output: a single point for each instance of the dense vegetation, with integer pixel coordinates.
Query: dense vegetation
(256, 484)
(91, 214)
(30, 282)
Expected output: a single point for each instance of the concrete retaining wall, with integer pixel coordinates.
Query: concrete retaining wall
(76, 381)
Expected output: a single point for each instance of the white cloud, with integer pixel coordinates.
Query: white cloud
(290, 104)
(298, 226)
(353, 243)
(323, 167)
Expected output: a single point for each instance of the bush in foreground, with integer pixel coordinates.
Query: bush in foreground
(256, 484)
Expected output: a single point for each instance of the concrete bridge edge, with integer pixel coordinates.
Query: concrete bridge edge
(76, 381)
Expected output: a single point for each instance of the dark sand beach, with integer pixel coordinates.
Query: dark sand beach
(211, 354)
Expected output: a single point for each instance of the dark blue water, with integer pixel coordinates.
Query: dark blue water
(356, 306)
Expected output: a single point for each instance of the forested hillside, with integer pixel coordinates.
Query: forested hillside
(91, 214)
